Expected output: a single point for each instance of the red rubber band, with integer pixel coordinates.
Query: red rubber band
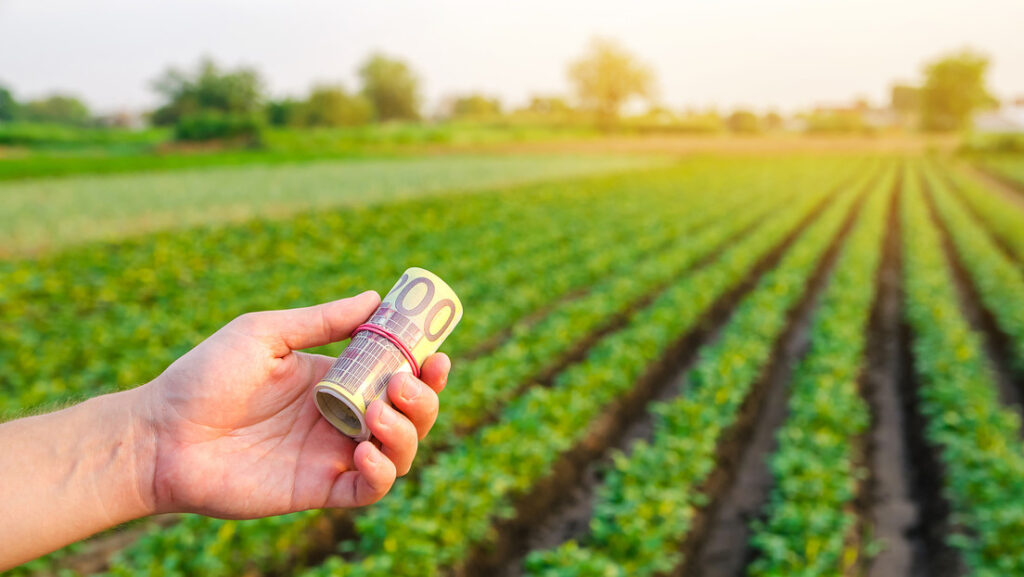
(395, 341)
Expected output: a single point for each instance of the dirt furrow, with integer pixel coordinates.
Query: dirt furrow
(890, 500)
(931, 555)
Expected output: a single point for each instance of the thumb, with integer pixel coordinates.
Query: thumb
(293, 329)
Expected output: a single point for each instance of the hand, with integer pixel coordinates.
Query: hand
(236, 433)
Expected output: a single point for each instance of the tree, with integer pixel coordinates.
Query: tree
(475, 106)
(954, 88)
(606, 77)
(8, 106)
(208, 91)
(333, 106)
(743, 122)
(905, 99)
(548, 105)
(391, 87)
(57, 108)
(772, 121)
(282, 112)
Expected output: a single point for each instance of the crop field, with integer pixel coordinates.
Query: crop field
(51, 213)
(1007, 169)
(715, 365)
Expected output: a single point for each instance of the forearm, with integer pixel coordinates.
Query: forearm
(70, 474)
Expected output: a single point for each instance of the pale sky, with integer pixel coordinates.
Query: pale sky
(783, 54)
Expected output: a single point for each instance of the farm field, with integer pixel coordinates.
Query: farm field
(730, 364)
(50, 213)
(1008, 168)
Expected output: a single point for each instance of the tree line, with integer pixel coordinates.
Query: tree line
(212, 102)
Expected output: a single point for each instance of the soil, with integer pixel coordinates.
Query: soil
(892, 505)
(97, 552)
(931, 555)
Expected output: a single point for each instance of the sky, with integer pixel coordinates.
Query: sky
(764, 54)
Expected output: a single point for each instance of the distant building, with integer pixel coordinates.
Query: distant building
(122, 119)
(858, 116)
(1007, 120)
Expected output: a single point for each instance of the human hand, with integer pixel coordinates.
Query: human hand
(235, 432)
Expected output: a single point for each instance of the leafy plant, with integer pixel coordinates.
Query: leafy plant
(977, 439)
(816, 470)
(650, 497)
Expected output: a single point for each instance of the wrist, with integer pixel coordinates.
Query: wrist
(141, 436)
(127, 449)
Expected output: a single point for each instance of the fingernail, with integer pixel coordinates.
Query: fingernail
(410, 389)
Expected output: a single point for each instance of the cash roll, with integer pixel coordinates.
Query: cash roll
(411, 323)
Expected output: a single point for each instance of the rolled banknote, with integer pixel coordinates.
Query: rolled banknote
(410, 324)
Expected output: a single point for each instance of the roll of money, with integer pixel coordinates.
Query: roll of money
(410, 324)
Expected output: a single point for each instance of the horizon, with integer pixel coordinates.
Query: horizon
(811, 55)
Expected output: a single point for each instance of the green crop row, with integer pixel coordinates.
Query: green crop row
(108, 316)
(485, 383)
(816, 469)
(978, 440)
(1002, 217)
(998, 279)
(477, 385)
(678, 194)
(645, 509)
(1008, 167)
(421, 528)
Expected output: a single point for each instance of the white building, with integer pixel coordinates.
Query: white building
(1009, 119)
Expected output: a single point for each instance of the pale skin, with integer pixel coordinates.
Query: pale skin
(228, 430)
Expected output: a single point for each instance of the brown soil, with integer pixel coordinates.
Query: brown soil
(96, 553)
(931, 555)
(892, 503)
(935, 558)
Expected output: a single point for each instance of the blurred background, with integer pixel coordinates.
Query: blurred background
(115, 86)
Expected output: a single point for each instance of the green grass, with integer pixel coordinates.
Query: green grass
(46, 214)
(42, 150)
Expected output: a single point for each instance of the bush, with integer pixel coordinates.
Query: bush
(206, 126)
